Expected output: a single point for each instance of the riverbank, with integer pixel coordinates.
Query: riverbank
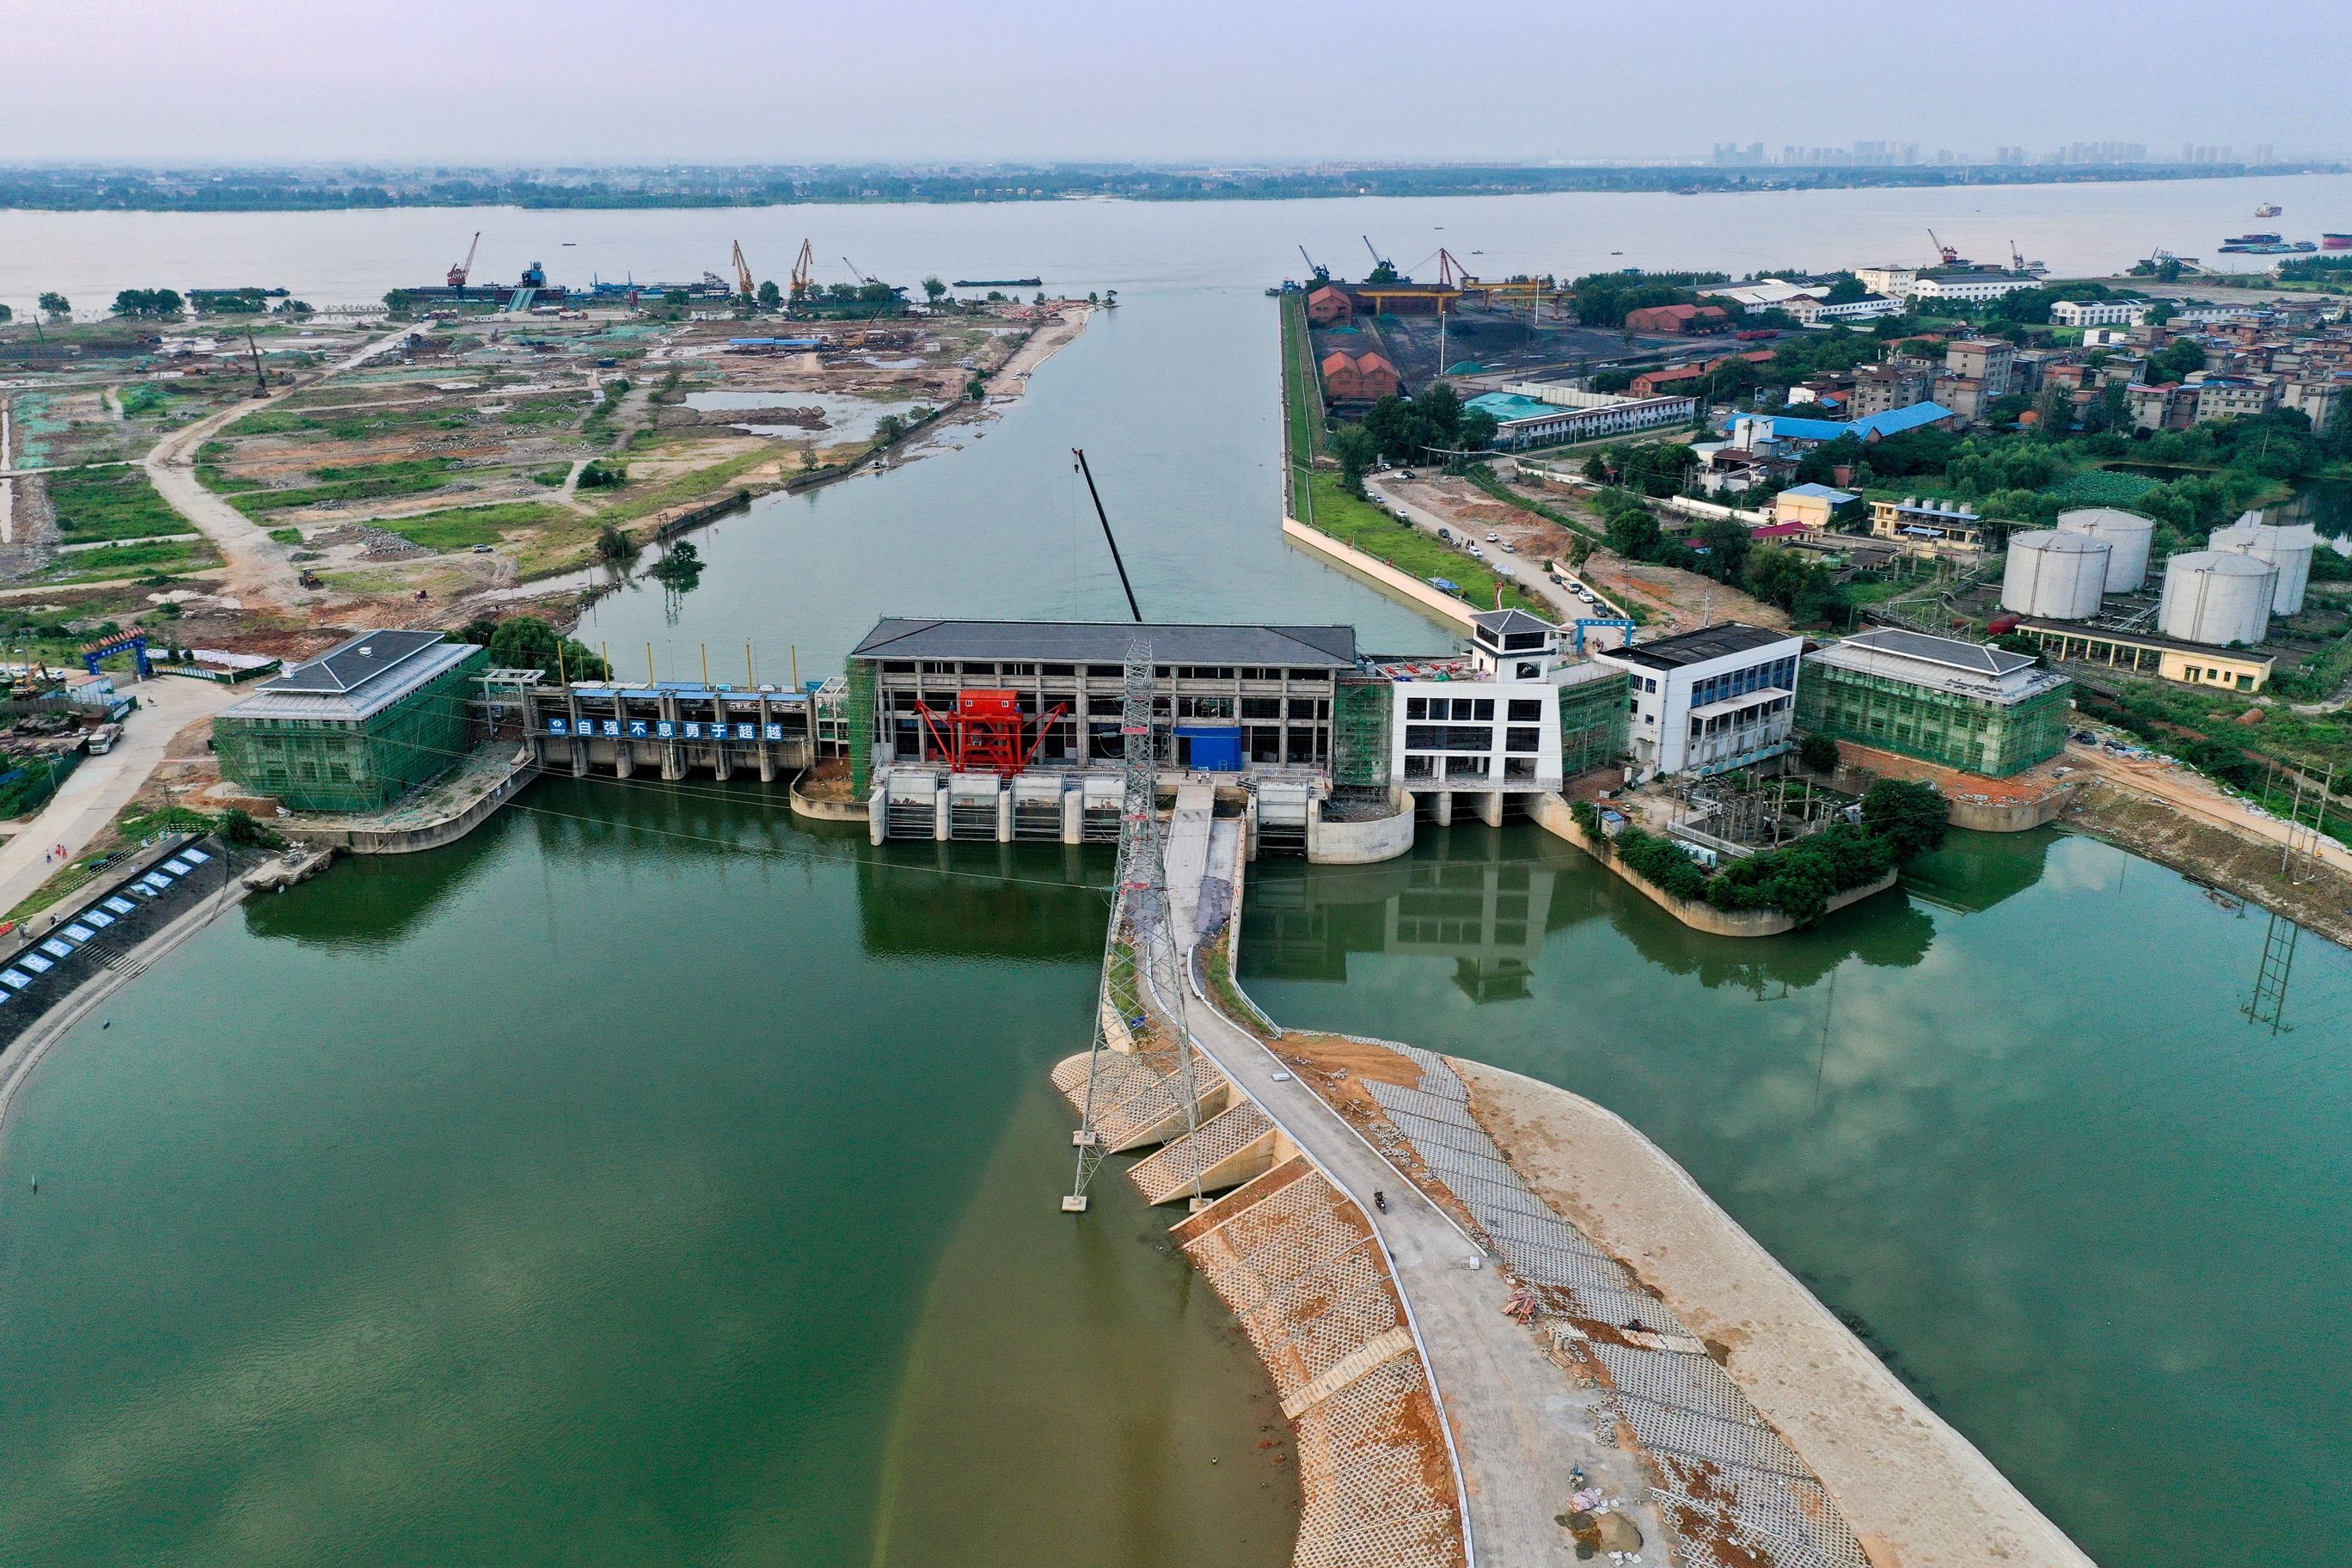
(1915, 1491)
(2319, 900)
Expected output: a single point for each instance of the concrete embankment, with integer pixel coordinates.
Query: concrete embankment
(1619, 1366)
(1423, 597)
(1551, 812)
(1915, 1492)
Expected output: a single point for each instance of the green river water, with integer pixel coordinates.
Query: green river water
(652, 1179)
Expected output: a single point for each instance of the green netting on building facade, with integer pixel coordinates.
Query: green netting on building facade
(1360, 714)
(353, 764)
(1948, 728)
(1592, 723)
(857, 725)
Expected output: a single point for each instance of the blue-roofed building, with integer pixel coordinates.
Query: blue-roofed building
(1870, 428)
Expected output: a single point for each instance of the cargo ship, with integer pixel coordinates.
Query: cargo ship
(2269, 209)
(2264, 245)
(2336, 242)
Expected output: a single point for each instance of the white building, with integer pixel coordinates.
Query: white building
(2099, 313)
(1498, 730)
(1935, 283)
(1543, 414)
(1869, 307)
(1709, 700)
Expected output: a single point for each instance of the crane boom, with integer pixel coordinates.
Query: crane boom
(1322, 274)
(742, 273)
(1949, 254)
(804, 272)
(458, 273)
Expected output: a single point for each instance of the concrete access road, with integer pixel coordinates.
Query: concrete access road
(1516, 1431)
(86, 805)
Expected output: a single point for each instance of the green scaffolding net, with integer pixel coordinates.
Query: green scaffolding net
(1949, 729)
(1361, 712)
(857, 725)
(1592, 721)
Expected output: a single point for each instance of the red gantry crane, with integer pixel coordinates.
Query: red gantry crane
(457, 273)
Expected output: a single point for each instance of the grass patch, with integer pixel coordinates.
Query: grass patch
(1302, 387)
(1375, 534)
(123, 560)
(391, 468)
(286, 535)
(111, 503)
(146, 397)
(349, 425)
(462, 528)
(541, 411)
(414, 478)
(697, 482)
(552, 479)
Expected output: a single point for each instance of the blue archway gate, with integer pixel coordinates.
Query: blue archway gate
(135, 641)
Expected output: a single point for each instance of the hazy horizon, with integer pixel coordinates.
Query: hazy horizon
(492, 84)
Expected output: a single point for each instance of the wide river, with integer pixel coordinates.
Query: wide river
(652, 1179)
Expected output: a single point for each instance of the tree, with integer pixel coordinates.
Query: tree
(2161, 312)
(603, 475)
(889, 428)
(1908, 814)
(238, 829)
(148, 302)
(1634, 532)
(1479, 429)
(526, 642)
(54, 306)
(1383, 273)
(770, 296)
(1819, 753)
(399, 302)
(1356, 449)
(934, 289)
(2337, 440)
(680, 566)
(674, 297)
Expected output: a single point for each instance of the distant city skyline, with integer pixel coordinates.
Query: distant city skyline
(495, 83)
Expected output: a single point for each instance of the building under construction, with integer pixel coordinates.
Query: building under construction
(1957, 704)
(356, 728)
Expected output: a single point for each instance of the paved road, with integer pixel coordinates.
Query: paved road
(91, 800)
(260, 571)
(1515, 1424)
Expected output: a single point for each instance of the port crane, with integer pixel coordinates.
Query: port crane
(859, 272)
(804, 273)
(1322, 273)
(743, 284)
(457, 273)
(1951, 257)
(1379, 261)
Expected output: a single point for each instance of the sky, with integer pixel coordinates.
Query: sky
(498, 83)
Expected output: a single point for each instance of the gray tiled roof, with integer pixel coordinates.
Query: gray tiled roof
(1974, 658)
(348, 666)
(1106, 642)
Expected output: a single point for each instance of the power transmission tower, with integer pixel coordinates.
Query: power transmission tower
(1142, 993)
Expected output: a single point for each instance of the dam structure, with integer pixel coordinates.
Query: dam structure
(1474, 1367)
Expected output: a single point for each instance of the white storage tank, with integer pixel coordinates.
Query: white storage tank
(2055, 576)
(2217, 597)
(2287, 546)
(2127, 535)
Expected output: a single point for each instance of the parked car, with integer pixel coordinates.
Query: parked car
(481, 550)
(1491, 537)
(1407, 474)
(1446, 534)
(1509, 548)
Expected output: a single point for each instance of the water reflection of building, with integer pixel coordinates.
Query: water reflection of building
(1486, 914)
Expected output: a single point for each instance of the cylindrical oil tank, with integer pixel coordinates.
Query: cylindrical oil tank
(2126, 535)
(2055, 576)
(2217, 597)
(2287, 546)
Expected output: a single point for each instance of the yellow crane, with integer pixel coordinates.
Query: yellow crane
(804, 273)
(743, 284)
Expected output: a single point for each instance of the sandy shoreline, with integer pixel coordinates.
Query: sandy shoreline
(1917, 1493)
